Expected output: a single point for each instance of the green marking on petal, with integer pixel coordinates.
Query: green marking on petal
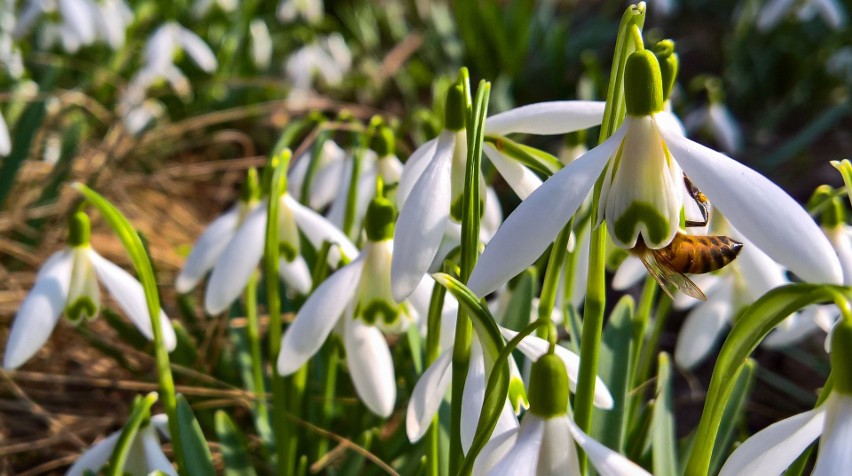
(81, 308)
(288, 252)
(626, 227)
(548, 387)
(517, 394)
(380, 311)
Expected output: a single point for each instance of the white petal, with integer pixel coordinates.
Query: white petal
(725, 128)
(236, 263)
(528, 231)
(318, 230)
(523, 458)
(708, 283)
(628, 273)
(494, 451)
(773, 449)
(794, 329)
(427, 396)
(605, 460)
(197, 49)
(474, 396)
(840, 240)
(547, 118)
(702, 328)
(772, 13)
(296, 274)
(95, 457)
(161, 47)
(558, 455)
(760, 210)
(207, 249)
(834, 456)
(155, 459)
(422, 221)
(371, 366)
(413, 169)
(5, 141)
(130, 296)
(40, 310)
(831, 12)
(492, 217)
(77, 15)
(317, 317)
(522, 180)
(534, 347)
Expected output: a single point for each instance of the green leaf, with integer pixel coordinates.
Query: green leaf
(748, 331)
(141, 414)
(663, 440)
(614, 369)
(22, 141)
(233, 443)
(733, 413)
(197, 454)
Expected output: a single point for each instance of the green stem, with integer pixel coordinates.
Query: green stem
(253, 337)
(283, 434)
(352, 196)
(643, 314)
(142, 264)
(547, 300)
(433, 349)
(593, 312)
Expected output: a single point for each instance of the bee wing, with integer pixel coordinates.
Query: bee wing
(669, 278)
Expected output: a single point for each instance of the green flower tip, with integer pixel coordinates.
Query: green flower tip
(380, 218)
(643, 84)
(548, 393)
(384, 142)
(251, 188)
(454, 110)
(79, 229)
(669, 65)
(841, 355)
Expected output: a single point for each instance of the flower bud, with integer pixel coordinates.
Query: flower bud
(669, 65)
(841, 356)
(251, 188)
(79, 229)
(380, 218)
(454, 109)
(384, 142)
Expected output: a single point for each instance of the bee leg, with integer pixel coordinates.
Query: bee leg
(701, 201)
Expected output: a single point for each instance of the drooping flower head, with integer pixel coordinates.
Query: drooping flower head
(643, 195)
(68, 283)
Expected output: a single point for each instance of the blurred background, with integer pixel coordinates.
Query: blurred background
(163, 105)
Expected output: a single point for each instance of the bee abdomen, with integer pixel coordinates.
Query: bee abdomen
(712, 252)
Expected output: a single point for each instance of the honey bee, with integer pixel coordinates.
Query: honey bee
(693, 254)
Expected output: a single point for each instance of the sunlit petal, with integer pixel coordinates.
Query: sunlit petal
(547, 118)
(317, 229)
(522, 180)
(296, 274)
(702, 329)
(605, 460)
(557, 455)
(197, 49)
(207, 249)
(422, 221)
(40, 310)
(427, 396)
(317, 317)
(523, 457)
(629, 273)
(5, 141)
(773, 449)
(834, 456)
(155, 459)
(236, 263)
(130, 296)
(760, 210)
(528, 231)
(371, 366)
(95, 457)
(413, 169)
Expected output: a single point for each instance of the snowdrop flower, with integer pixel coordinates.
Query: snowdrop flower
(145, 456)
(544, 443)
(217, 235)
(432, 183)
(323, 185)
(716, 119)
(68, 282)
(238, 260)
(329, 58)
(310, 10)
(773, 449)
(170, 38)
(261, 43)
(77, 26)
(357, 300)
(433, 384)
(774, 11)
(643, 191)
(112, 22)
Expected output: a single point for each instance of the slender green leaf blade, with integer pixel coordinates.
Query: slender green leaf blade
(197, 454)
(234, 452)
